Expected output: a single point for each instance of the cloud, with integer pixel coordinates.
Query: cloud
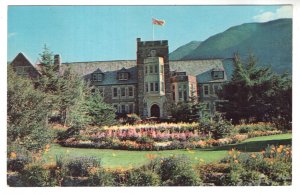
(282, 12)
(11, 34)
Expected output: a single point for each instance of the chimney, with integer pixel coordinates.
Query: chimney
(57, 59)
(138, 39)
(57, 63)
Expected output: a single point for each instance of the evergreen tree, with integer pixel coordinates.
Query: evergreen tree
(188, 111)
(26, 114)
(77, 110)
(254, 93)
(100, 112)
(70, 96)
(49, 81)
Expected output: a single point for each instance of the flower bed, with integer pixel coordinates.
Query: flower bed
(164, 136)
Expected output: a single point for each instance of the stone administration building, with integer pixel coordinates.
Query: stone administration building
(148, 85)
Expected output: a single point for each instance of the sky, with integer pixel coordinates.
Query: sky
(102, 33)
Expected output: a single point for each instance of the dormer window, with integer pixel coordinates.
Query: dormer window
(97, 77)
(217, 74)
(123, 76)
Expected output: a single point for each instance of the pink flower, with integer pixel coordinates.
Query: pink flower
(182, 136)
(153, 134)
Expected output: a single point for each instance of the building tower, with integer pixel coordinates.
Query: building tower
(154, 89)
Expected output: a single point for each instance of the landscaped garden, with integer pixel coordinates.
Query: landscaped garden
(253, 154)
(60, 134)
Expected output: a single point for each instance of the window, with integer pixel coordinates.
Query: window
(161, 69)
(123, 109)
(163, 86)
(151, 69)
(146, 87)
(180, 92)
(173, 92)
(156, 86)
(130, 108)
(180, 95)
(115, 92)
(205, 90)
(22, 70)
(123, 76)
(185, 95)
(123, 92)
(151, 87)
(146, 69)
(153, 53)
(218, 74)
(156, 69)
(97, 77)
(216, 88)
(130, 91)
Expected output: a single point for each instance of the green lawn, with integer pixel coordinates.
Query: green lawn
(125, 159)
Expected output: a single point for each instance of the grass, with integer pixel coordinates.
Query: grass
(126, 159)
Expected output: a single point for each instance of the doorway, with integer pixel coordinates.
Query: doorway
(155, 112)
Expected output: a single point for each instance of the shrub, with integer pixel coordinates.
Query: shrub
(35, 175)
(17, 164)
(177, 171)
(233, 178)
(247, 128)
(244, 129)
(133, 119)
(145, 140)
(251, 178)
(271, 167)
(100, 177)
(63, 135)
(212, 172)
(79, 166)
(140, 177)
(216, 128)
(280, 172)
(222, 129)
(120, 177)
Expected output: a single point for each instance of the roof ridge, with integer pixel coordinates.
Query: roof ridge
(96, 61)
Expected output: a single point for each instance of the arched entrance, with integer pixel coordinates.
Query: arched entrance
(155, 111)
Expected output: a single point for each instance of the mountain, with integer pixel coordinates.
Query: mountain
(184, 50)
(270, 42)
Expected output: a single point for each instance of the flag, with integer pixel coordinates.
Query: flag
(158, 22)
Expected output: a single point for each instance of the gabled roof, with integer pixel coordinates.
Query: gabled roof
(98, 71)
(123, 70)
(21, 56)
